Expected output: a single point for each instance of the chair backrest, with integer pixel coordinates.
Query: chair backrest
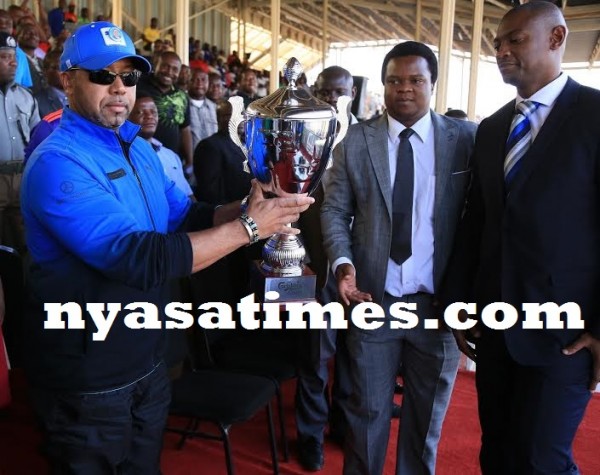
(188, 348)
(13, 284)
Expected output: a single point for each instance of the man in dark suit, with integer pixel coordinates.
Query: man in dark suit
(218, 164)
(531, 233)
(314, 409)
(401, 179)
(220, 176)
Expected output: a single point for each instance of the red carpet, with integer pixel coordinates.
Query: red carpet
(457, 452)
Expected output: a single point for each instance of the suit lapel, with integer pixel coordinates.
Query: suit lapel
(445, 136)
(376, 137)
(547, 134)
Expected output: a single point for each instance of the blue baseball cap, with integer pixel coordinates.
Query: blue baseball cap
(98, 45)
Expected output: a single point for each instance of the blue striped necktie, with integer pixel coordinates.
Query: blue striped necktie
(519, 139)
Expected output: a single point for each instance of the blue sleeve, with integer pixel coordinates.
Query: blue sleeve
(76, 209)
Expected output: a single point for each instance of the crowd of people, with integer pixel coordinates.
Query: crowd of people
(118, 179)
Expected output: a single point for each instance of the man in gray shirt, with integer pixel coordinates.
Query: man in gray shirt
(18, 115)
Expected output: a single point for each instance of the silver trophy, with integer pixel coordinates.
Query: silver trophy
(289, 137)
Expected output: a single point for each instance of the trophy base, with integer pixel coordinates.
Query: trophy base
(300, 288)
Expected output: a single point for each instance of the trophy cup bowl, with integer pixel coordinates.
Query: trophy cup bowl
(289, 137)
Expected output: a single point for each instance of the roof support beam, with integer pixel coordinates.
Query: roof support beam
(446, 33)
(595, 53)
(275, 29)
(475, 52)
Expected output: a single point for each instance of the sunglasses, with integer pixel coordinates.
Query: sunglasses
(106, 78)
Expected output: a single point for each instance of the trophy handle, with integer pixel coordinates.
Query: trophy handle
(237, 117)
(343, 118)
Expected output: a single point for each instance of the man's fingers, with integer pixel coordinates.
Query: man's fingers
(300, 201)
(284, 229)
(463, 345)
(574, 347)
(342, 294)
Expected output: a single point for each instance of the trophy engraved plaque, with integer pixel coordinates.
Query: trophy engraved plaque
(289, 137)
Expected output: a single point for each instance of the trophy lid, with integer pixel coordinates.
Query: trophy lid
(291, 102)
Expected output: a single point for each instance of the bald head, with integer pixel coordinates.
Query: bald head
(224, 110)
(530, 44)
(334, 82)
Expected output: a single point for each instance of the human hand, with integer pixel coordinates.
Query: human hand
(586, 340)
(274, 214)
(467, 339)
(346, 283)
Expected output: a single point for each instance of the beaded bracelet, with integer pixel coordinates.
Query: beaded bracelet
(251, 227)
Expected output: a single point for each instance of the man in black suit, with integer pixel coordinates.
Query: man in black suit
(531, 233)
(314, 407)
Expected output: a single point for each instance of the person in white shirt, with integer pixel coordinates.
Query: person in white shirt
(145, 114)
(203, 111)
(401, 180)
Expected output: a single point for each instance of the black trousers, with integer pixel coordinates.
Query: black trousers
(110, 432)
(529, 414)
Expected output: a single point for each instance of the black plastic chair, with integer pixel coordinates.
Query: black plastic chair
(222, 398)
(267, 353)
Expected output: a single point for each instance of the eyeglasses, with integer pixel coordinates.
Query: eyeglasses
(105, 78)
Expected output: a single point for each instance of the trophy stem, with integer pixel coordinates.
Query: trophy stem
(283, 255)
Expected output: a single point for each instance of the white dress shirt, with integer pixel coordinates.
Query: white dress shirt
(172, 166)
(416, 273)
(546, 96)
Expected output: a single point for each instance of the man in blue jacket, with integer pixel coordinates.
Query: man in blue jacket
(106, 229)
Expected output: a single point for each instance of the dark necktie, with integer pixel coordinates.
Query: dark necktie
(519, 138)
(402, 200)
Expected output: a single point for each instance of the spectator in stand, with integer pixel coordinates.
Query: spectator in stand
(168, 45)
(183, 80)
(151, 34)
(84, 16)
(203, 111)
(56, 18)
(145, 114)
(207, 55)
(28, 39)
(173, 107)
(43, 45)
(248, 86)
(159, 48)
(51, 95)
(170, 38)
(197, 61)
(263, 82)
(234, 60)
(215, 91)
(71, 15)
(22, 74)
